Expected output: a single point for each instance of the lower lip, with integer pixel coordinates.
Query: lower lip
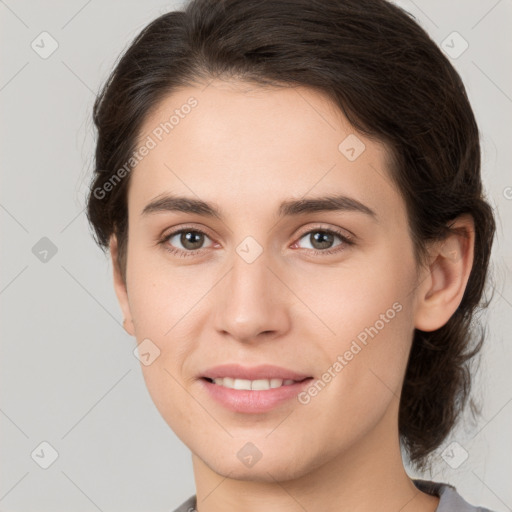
(247, 401)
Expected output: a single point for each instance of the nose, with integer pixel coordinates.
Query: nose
(251, 302)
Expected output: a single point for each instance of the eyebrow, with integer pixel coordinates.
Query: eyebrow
(292, 207)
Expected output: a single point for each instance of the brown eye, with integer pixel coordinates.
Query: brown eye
(191, 239)
(185, 241)
(323, 241)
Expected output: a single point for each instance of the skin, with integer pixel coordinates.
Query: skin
(246, 149)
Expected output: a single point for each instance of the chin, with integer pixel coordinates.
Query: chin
(265, 473)
(269, 469)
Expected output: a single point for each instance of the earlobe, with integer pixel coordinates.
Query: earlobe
(120, 288)
(442, 287)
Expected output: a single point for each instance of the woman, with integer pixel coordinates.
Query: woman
(291, 195)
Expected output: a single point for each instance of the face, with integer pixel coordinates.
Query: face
(273, 279)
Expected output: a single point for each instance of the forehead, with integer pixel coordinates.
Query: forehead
(251, 146)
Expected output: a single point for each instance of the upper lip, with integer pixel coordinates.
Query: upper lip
(265, 371)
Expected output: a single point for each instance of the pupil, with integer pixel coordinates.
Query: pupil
(319, 236)
(188, 238)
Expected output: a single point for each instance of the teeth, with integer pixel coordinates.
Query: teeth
(260, 384)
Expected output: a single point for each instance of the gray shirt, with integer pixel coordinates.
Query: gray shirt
(450, 500)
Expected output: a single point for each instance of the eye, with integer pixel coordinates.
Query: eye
(321, 241)
(191, 240)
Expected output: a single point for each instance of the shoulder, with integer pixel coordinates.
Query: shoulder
(449, 499)
(187, 506)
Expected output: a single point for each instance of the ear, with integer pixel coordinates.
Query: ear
(120, 288)
(443, 284)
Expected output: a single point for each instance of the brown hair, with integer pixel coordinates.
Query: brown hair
(392, 83)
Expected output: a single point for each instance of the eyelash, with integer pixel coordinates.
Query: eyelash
(346, 241)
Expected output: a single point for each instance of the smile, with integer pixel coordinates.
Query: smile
(256, 385)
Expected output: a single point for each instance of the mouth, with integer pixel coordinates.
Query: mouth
(252, 396)
(229, 373)
(252, 389)
(253, 385)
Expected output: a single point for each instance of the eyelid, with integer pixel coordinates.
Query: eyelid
(177, 229)
(303, 231)
(344, 233)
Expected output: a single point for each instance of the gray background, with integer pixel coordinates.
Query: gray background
(68, 374)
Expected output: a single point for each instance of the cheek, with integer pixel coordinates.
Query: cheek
(170, 398)
(351, 298)
(370, 315)
(159, 295)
